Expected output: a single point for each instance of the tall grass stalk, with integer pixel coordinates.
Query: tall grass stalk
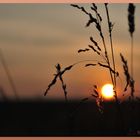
(7, 71)
(110, 27)
(132, 48)
(131, 23)
(103, 39)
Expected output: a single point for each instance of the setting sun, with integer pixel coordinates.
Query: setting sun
(107, 91)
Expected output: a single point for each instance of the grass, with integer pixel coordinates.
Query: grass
(8, 73)
(71, 113)
(107, 61)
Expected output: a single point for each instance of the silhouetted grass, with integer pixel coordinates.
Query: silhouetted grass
(59, 75)
(131, 23)
(107, 63)
(7, 71)
(104, 54)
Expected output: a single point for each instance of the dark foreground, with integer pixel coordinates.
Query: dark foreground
(55, 118)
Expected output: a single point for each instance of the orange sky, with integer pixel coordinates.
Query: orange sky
(35, 37)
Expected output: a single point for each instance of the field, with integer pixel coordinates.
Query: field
(56, 118)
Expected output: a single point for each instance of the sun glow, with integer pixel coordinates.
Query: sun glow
(107, 91)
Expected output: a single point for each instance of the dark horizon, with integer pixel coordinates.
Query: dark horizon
(61, 119)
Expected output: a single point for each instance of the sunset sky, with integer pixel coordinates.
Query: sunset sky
(35, 37)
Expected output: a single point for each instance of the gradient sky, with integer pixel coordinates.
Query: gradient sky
(35, 37)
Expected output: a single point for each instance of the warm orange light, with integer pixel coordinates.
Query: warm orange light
(107, 91)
